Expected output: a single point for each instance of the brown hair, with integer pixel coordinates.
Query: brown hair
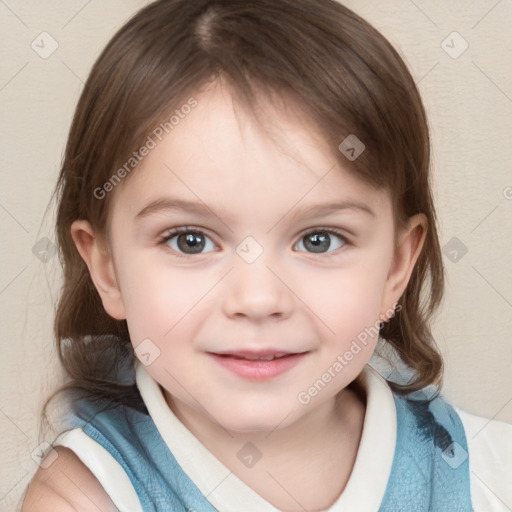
(343, 72)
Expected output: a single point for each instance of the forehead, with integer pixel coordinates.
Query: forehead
(221, 154)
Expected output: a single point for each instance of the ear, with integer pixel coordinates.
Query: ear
(95, 253)
(409, 247)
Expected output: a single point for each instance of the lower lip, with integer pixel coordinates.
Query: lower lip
(258, 370)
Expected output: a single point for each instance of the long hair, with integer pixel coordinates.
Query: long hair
(346, 75)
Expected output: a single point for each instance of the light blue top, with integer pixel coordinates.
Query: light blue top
(430, 470)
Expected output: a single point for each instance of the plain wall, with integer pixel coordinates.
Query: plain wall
(469, 102)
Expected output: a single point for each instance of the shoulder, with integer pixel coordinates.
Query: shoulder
(490, 460)
(488, 441)
(66, 485)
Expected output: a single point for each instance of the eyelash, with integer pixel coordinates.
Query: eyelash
(178, 231)
(185, 229)
(329, 231)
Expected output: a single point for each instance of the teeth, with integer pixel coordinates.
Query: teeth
(269, 357)
(259, 358)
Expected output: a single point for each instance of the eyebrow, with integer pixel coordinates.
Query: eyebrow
(319, 210)
(167, 203)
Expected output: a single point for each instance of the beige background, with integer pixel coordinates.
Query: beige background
(469, 99)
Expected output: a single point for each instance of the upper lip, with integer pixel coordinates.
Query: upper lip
(256, 354)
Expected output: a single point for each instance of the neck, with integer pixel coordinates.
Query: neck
(305, 465)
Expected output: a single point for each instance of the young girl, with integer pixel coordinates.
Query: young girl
(244, 216)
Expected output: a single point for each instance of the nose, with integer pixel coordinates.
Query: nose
(256, 292)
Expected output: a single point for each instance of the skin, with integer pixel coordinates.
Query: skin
(258, 181)
(66, 486)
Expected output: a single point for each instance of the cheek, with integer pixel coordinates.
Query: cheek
(346, 301)
(161, 301)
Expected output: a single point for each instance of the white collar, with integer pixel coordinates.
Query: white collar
(228, 493)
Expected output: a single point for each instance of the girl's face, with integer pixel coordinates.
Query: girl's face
(266, 302)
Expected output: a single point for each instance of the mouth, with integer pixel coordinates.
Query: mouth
(258, 365)
(249, 355)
